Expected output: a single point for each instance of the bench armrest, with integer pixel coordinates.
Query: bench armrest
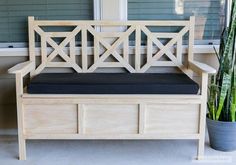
(200, 68)
(23, 68)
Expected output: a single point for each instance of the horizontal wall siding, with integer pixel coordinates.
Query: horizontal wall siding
(209, 13)
(14, 13)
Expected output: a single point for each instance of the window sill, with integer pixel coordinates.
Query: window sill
(21, 52)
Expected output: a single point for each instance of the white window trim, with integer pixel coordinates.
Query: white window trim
(228, 11)
(21, 52)
(98, 10)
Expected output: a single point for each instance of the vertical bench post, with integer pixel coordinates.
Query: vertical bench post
(20, 117)
(202, 121)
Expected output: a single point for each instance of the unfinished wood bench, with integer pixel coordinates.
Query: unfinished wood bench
(88, 104)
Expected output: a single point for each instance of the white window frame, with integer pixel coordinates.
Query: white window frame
(228, 11)
(98, 9)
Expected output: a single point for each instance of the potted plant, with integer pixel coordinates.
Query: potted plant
(221, 119)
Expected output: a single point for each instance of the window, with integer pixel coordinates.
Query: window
(14, 13)
(210, 15)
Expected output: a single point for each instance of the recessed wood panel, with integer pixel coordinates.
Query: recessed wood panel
(58, 119)
(172, 119)
(111, 119)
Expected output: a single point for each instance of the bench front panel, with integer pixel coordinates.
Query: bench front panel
(178, 118)
(102, 118)
(48, 119)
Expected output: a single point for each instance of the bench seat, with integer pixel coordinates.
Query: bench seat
(112, 83)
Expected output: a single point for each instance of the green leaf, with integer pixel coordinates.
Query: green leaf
(213, 92)
(223, 93)
(233, 104)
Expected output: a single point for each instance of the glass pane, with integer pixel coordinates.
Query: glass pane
(210, 14)
(14, 14)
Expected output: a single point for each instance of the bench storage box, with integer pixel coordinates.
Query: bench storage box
(137, 103)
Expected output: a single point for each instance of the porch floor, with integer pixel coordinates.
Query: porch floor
(81, 152)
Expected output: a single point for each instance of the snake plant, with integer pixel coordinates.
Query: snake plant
(222, 89)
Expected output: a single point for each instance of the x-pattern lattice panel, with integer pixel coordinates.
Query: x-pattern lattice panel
(111, 49)
(120, 48)
(163, 49)
(58, 49)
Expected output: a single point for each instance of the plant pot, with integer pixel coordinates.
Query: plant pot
(222, 135)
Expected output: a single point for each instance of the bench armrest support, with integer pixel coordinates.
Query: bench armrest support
(200, 68)
(22, 68)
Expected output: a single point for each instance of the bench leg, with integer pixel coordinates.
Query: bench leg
(22, 148)
(21, 138)
(200, 151)
(201, 140)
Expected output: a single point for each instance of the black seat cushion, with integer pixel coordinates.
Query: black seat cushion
(112, 83)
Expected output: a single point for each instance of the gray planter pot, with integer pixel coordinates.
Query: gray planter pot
(222, 135)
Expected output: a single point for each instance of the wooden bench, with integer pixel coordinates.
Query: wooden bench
(137, 116)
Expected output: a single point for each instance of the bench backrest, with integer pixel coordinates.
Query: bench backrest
(98, 45)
